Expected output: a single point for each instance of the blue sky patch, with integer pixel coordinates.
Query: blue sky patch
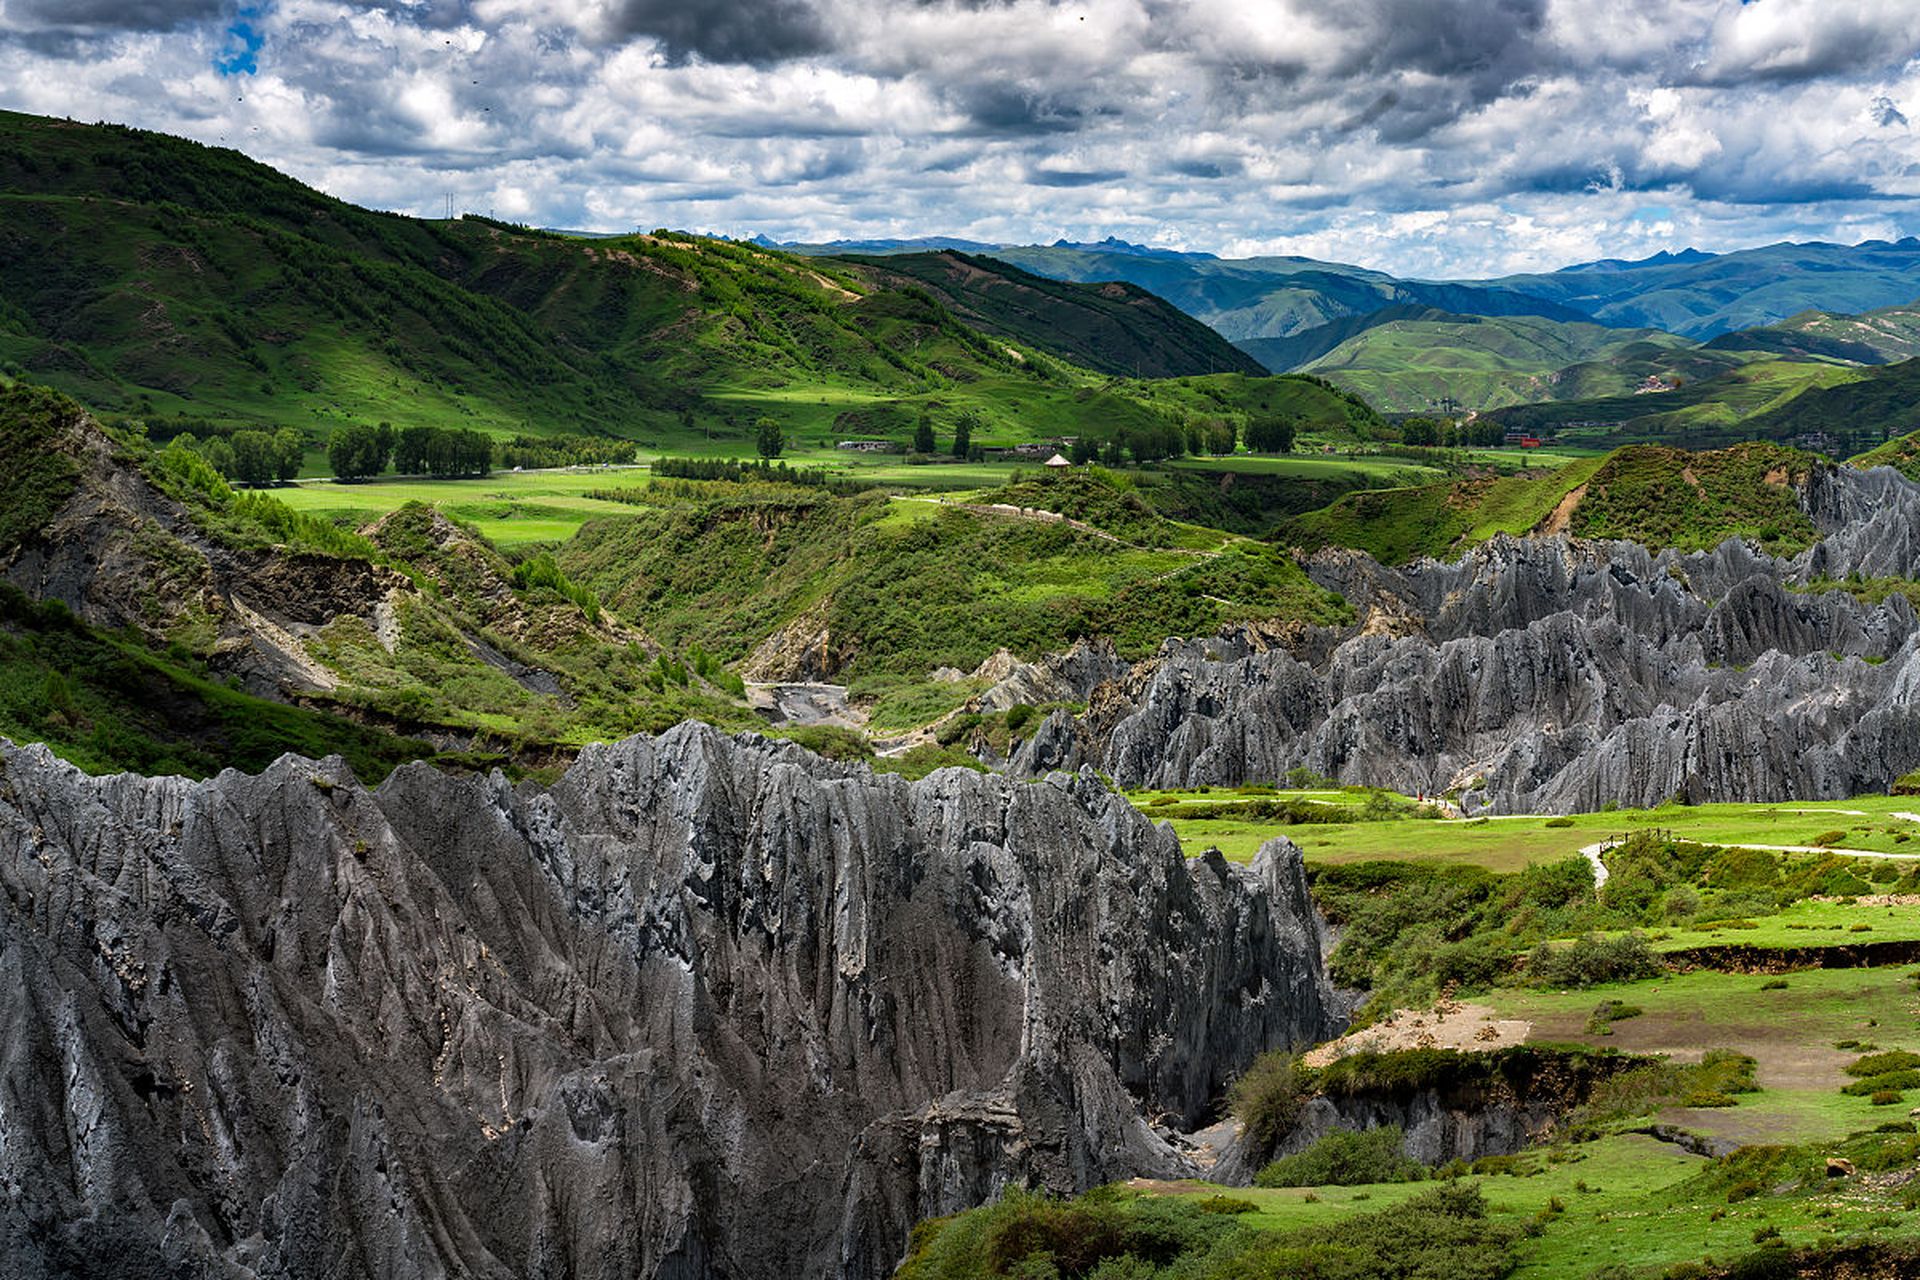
(237, 57)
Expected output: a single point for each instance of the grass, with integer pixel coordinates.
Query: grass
(1510, 843)
(1790, 1031)
(1378, 470)
(1653, 495)
(903, 587)
(512, 509)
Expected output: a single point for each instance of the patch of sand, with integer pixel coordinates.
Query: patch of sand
(1449, 1025)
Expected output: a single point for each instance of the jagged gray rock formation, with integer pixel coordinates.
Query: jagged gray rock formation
(1551, 674)
(1055, 677)
(708, 1006)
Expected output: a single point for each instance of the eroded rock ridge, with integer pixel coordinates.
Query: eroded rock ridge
(1549, 674)
(708, 1006)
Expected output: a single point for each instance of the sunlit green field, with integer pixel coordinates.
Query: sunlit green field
(511, 508)
(1315, 466)
(1864, 824)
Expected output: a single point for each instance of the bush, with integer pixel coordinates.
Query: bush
(1558, 822)
(1886, 1080)
(1610, 1011)
(1875, 1064)
(1592, 959)
(831, 741)
(1267, 1099)
(1345, 1159)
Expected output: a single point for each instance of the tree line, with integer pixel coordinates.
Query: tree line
(250, 457)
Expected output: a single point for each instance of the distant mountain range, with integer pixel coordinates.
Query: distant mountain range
(1690, 293)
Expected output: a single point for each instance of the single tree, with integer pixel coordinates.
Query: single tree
(219, 455)
(768, 439)
(288, 453)
(254, 460)
(923, 435)
(963, 436)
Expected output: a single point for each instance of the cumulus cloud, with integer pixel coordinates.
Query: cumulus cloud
(1432, 137)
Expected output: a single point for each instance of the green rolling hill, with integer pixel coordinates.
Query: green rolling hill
(1659, 496)
(1433, 360)
(153, 277)
(1726, 407)
(1249, 298)
(1885, 336)
(1115, 328)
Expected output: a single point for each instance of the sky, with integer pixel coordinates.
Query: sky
(1435, 138)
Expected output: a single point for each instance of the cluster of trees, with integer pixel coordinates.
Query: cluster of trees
(767, 438)
(443, 451)
(357, 451)
(1272, 434)
(562, 451)
(1445, 433)
(1200, 437)
(765, 471)
(250, 457)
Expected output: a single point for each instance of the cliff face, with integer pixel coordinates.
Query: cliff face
(1547, 674)
(707, 1006)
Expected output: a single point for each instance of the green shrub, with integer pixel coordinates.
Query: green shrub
(1886, 1080)
(1345, 1159)
(1267, 1099)
(1558, 822)
(831, 741)
(1874, 1064)
(1592, 959)
(1611, 1011)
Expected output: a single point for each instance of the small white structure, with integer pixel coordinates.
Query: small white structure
(1057, 464)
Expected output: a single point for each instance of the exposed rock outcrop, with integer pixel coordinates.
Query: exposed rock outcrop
(707, 1006)
(1555, 674)
(1057, 677)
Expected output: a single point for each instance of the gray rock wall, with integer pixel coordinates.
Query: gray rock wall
(1552, 674)
(708, 1006)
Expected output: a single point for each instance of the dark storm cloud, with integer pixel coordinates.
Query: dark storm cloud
(747, 31)
(1013, 109)
(1207, 168)
(1073, 177)
(111, 15)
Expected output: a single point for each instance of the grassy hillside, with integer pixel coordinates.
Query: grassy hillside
(896, 587)
(1902, 453)
(154, 278)
(1874, 404)
(1657, 496)
(201, 607)
(1113, 328)
(1436, 360)
(1718, 410)
(1885, 336)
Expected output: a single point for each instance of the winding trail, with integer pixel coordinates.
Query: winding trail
(1592, 853)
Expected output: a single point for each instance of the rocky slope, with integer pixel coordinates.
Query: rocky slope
(707, 1006)
(1548, 674)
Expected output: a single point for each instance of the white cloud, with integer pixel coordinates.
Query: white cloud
(1435, 137)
